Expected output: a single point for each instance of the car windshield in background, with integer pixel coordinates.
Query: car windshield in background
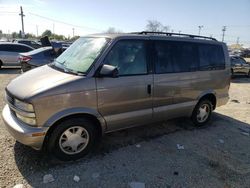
(81, 54)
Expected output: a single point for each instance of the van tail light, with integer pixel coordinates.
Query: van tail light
(24, 58)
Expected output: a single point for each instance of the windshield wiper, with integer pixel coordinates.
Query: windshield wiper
(67, 70)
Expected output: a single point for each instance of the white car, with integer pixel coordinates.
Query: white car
(9, 53)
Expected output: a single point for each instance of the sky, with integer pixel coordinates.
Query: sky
(94, 16)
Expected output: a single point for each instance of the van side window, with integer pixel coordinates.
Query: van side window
(211, 57)
(172, 57)
(129, 57)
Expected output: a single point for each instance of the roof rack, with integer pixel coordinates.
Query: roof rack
(174, 34)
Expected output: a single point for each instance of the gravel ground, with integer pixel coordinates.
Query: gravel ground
(217, 155)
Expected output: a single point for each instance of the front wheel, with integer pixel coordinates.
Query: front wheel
(72, 139)
(202, 113)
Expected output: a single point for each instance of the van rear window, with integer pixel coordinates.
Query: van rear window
(211, 57)
(175, 56)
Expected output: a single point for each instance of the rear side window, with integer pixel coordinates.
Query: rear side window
(14, 48)
(5, 47)
(2, 47)
(211, 57)
(173, 57)
(129, 56)
(22, 49)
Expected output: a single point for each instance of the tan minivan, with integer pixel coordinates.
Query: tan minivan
(104, 83)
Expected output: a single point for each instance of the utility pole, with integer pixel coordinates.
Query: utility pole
(53, 28)
(238, 40)
(73, 29)
(200, 27)
(37, 30)
(180, 32)
(22, 15)
(224, 28)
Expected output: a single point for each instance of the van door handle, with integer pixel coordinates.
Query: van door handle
(149, 89)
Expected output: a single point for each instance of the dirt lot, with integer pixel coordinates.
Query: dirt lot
(217, 155)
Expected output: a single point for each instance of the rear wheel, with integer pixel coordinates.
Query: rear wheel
(202, 112)
(249, 74)
(72, 139)
(1, 64)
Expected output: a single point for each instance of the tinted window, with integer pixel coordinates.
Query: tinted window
(2, 47)
(234, 61)
(14, 48)
(211, 57)
(6, 47)
(24, 42)
(129, 57)
(23, 49)
(175, 57)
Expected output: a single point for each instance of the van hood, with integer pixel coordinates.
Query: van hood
(38, 80)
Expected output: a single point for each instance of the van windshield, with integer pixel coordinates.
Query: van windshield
(80, 55)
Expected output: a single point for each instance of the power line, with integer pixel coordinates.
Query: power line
(58, 21)
(7, 12)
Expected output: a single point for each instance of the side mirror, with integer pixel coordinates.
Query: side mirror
(108, 71)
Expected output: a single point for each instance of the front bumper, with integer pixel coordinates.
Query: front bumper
(27, 135)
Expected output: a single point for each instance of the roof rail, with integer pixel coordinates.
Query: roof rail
(173, 34)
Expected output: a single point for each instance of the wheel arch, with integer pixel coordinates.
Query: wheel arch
(211, 96)
(97, 120)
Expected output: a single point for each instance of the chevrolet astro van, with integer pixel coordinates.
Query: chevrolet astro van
(105, 83)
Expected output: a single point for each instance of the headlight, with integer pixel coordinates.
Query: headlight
(23, 106)
(28, 120)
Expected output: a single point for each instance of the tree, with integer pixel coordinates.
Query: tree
(58, 37)
(47, 33)
(156, 26)
(14, 35)
(30, 35)
(74, 38)
(1, 33)
(20, 34)
(112, 30)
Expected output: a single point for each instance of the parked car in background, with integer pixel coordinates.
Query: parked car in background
(239, 66)
(105, 83)
(63, 43)
(39, 57)
(9, 53)
(31, 43)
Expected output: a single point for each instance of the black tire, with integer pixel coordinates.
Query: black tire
(1, 63)
(54, 146)
(248, 74)
(195, 119)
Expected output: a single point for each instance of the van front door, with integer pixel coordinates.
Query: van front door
(126, 101)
